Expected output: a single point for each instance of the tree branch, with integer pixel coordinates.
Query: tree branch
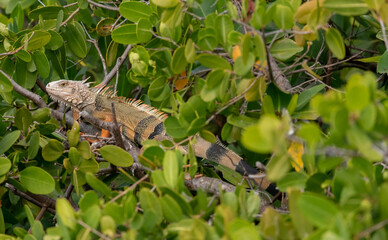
(116, 68)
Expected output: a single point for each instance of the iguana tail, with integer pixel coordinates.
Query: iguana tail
(226, 157)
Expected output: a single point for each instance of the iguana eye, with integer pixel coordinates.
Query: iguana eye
(63, 84)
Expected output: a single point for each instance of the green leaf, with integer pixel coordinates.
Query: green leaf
(335, 42)
(83, 4)
(30, 216)
(75, 39)
(37, 180)
(66, 213)
(134, 11)
(144, 30)
(23, 119)
(173, 128)
(207, 39)
(104, 27)
(171, 168)
(357, 93)
(232, 176)
(179, 61)
(149, 202)
(171, 210)
(166, 3)
(310, 132)
(23, 55)
(108, 226)
(34, 145)
(347, 7)
(73, 134)
(190, 53)
(301, 224)
(38, 39)
(41, 115)
(37, 230)
(214, 81)
(242, 68)
(84, 150)
(284, 49)
(53, 150)
(259, 48)
(213, 61)
(241, 121)
(2, 226)
(18, 16)
(116, 156)
(48, 12)
(5, 84)
(367, 117)
(74, 156)
(55, 42)
(41, 63)
(24, 77)
(382, 65)
(283, 15)
(5, 165)
(125, 34)
(8, 140)
(264, 136)
(159, 89)
(208, 136)
(224, 27)
(292, 180)
(97, 184)
(317, 209)
(307, 95)
(111, 53)
(242, 229)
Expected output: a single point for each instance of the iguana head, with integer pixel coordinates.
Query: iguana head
(74, 93)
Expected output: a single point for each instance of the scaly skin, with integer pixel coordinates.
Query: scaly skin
(141, 122)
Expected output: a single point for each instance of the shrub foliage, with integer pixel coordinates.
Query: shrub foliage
(296, 86)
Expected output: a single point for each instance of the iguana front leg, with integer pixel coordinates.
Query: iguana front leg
(105, 116)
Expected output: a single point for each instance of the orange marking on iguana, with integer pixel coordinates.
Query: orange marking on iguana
(140, 122)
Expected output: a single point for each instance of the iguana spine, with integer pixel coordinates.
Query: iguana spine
(140, 122)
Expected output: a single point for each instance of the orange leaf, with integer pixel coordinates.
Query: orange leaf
(181, 82)
(296, 151)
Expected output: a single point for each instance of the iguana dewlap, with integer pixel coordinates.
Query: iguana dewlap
(140, 122)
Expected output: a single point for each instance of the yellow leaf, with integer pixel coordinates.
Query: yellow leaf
(296, 151)
(236, 52)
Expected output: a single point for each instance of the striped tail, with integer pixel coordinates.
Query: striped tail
(223, 156)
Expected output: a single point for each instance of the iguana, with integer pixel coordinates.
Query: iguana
(140, 122)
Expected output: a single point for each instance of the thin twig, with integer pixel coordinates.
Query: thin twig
(133, 186)
(103, 6)
(368, 231)
(18, 49)
(233, 100)
(95, 43)
(116, 68)
(39, 200)
(70, 17)
(24, 92)
(384, 33)
(164, 38)
(99, 234)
